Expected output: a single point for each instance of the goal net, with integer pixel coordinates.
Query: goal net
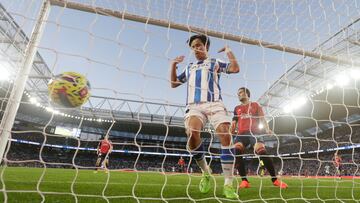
(299, 59)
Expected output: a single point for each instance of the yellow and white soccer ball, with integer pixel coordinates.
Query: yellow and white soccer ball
(69, 89)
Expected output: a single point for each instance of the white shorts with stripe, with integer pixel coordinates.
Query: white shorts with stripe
(214, 112)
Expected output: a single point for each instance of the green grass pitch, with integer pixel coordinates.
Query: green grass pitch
(69, 185)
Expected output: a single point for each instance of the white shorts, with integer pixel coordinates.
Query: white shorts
(214, 112)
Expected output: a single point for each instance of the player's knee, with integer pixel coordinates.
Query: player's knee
(193, 135)
(193, 141)
(193, 131)
(223, 130)
(260, 148)
(193, 126)
(224, 135)
(239, 148)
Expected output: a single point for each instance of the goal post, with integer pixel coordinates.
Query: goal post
(21, 79)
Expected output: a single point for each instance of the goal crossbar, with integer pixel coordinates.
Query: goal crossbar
(188, 28)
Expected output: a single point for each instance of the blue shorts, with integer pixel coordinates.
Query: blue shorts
(248, 140)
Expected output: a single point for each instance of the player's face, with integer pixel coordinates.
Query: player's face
(199, 49)
(242, 95)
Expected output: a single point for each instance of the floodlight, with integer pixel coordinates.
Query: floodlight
(299, 102)
(49, 109)
(355, 74)
(4, 74)
(329, 86)
(33, 100)
(342, 80)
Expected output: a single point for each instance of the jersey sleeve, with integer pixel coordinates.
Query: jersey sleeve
(260, 111)
(223, 66)
(183, 77)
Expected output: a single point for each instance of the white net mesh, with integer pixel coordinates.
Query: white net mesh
(124, 49)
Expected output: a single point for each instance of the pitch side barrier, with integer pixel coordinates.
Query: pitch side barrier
(176, 154)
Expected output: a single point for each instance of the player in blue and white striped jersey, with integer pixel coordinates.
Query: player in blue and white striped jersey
(203, 80)
(204, 103)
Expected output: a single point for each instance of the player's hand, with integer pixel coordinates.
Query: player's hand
(226, 48)
(178, 59)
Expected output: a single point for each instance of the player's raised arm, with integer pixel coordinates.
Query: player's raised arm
(175, 82)
(234, 65)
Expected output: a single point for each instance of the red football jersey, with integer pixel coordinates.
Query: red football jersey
(105, 146)
(247, 117)
(337, 161)
(181, 162)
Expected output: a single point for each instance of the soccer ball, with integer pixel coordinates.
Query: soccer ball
(69, 89)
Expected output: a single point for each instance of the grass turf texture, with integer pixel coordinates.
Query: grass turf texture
(58, 185)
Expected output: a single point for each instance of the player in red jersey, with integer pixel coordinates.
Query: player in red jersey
(103, 150)
(181, 164)
(249, 121)
(337, 163)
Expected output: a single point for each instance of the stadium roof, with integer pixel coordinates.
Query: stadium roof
(314, 91)
(309, 76)
(13, 41)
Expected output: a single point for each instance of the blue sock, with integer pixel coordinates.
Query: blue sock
(199, 152)
(199, 156)
(227, 162)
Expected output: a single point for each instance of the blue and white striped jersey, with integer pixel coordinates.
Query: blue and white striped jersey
(203, 79)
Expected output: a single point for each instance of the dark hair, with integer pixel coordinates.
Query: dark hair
(204, 39)
(246, 90)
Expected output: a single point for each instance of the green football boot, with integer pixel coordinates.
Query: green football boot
(229, 192)
(205, 185)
